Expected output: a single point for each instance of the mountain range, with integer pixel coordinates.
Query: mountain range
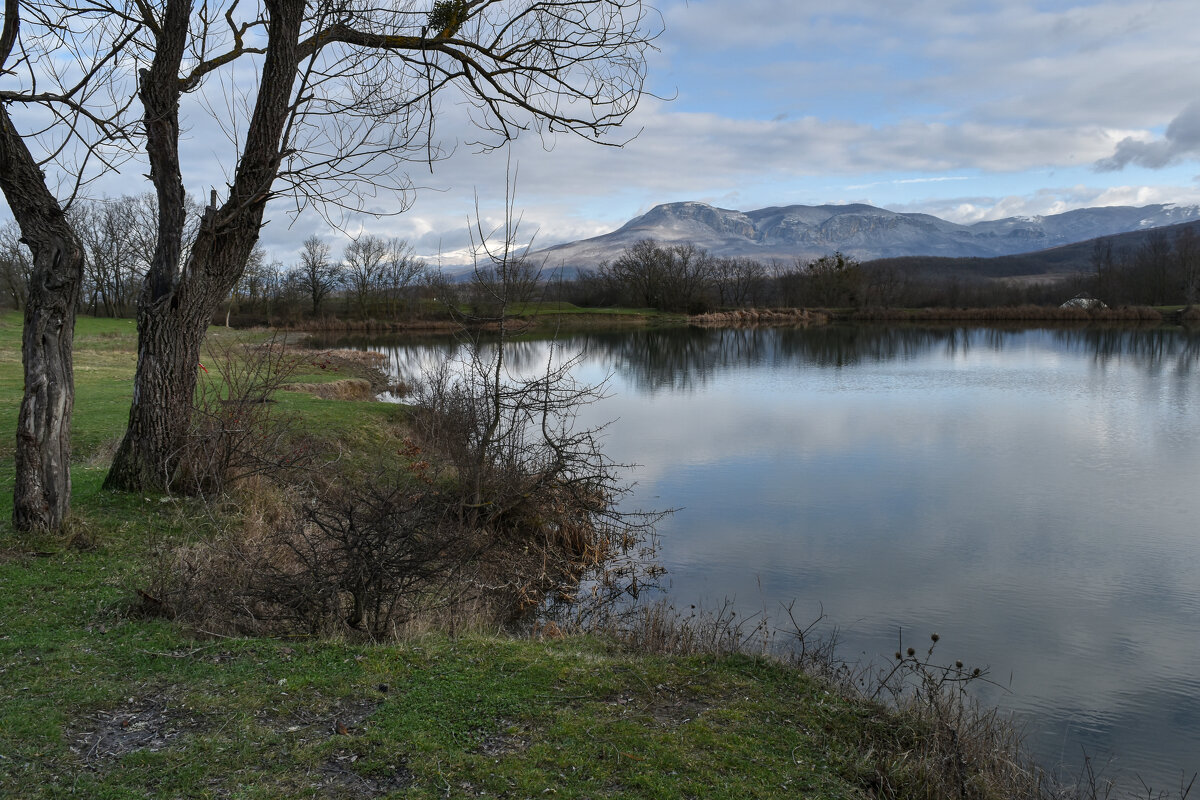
(785, 233)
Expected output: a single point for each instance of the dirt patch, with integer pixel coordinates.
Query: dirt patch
(666, 707)
(670, 712)
(151, 723)
(338, 777)
(345, 718)
(511, 739)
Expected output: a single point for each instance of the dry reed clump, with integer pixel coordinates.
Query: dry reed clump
(352, 389)
(759, 317)
(368, 365)
(341, 562)
(935, 740)
(659, 627)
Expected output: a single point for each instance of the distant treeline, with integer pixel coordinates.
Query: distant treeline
(685, 279)
(378, 279)
(1156, 267)
(372, 278)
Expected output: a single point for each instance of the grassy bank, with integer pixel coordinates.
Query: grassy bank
(540, 317)
(99, 700)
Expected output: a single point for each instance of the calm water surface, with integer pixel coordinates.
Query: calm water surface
(1030, 495)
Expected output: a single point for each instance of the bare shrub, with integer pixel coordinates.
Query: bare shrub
(236, 430)
(520, 470)
(523, 473)
(369, 557)
(333, 557)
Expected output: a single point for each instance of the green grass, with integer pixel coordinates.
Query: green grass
(99, 702)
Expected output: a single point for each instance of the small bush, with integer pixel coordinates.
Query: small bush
(349, 557)
(236, 430)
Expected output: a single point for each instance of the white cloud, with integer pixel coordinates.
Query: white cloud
(1181, 140)
(783, 103)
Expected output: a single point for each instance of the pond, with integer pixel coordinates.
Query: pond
(1031, 495)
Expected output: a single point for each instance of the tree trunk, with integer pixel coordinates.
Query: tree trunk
(178, 301)
(42, 489)
(169, 342)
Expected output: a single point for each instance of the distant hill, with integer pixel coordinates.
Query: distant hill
(1062, 260)
(862, 231)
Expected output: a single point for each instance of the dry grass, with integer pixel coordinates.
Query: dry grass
(363, 374)
(355, 389)
(759, 317)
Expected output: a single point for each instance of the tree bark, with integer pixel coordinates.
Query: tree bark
(179, 301)
(42, 489)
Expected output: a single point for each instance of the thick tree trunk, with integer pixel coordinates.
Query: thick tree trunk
(168, 354)
(171, 332)
(178, 301)
(42, 489)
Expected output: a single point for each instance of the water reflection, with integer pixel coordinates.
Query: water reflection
(1029, 494)
(683, 360)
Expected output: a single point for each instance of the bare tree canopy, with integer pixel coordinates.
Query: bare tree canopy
(315, 275)
(345, 90)
(319, 101)
(363, 84)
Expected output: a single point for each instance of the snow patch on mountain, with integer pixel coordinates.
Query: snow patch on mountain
(787, 233)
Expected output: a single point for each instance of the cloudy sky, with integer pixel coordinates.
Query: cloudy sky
(968, 109)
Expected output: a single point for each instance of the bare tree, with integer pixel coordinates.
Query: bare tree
(364, 263)
(1152, 263)
(60, 66)
(831, 280)
(674, 278)
(253, 285)
(640, 270)
(315, 275)
(739, 281)
(114, 233)
(401, 271)
(345, 90)
(1104, 265)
